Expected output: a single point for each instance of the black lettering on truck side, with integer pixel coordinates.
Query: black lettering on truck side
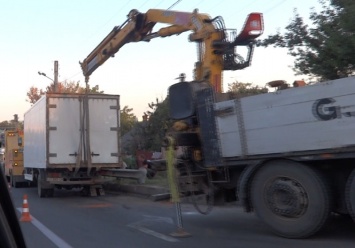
(323, 112)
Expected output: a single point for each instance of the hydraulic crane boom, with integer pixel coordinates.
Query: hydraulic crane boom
(216, 50)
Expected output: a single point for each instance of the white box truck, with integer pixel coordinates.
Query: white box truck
(70, 140)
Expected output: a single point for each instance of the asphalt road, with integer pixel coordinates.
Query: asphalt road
(121, 220)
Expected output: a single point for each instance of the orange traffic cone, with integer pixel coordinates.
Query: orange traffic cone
(25, 217)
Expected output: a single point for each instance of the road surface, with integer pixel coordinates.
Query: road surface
(121, 220)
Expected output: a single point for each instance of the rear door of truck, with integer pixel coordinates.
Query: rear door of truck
(104, 129)
(63, 129)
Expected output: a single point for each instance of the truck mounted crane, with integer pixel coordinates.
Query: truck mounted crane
(216, 47)
(287, 155)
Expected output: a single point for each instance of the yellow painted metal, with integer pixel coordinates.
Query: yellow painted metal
(17, 170)
(14, 152)
(139, 27)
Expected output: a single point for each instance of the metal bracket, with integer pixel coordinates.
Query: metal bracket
(241, 127)
(94, 154)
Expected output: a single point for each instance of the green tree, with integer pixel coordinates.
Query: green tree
(158, 122)
(128, 120)
(34, 93)
(11, 124)
(326, 48)
(140, 138)
(149, 134)
(238, 89)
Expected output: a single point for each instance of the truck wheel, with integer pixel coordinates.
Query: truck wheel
(291, 198)
(41, 191)
(350, 194)
(13, 182)
(50, 192)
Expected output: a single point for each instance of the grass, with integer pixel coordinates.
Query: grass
(160, 179)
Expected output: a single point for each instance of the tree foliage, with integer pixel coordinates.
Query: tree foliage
(326, 48)
(239, 89)
(149, 134)
(12, 124)
(34, 93)
(157, 123)
(128, 120)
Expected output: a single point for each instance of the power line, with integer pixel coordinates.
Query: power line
(109, 20)
(158, 4)
(178, 1)
(198, 4)
(214, 6)
(68, 78)
(274, 7)
(116, 13)
(143, 4)
(246, 6)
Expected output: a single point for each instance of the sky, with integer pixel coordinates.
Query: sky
(36, 33)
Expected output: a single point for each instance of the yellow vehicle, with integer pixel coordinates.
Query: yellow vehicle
(14, 170)
(2, 158)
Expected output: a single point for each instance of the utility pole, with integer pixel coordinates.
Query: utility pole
(16, 121)
(55, 82)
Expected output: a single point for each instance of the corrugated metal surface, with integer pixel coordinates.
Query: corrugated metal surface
(55, 131)
(208, 131)
(104, 128)
(64, 125)
(35, 148)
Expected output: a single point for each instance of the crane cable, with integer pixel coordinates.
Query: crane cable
(173, 181)
(209, 196)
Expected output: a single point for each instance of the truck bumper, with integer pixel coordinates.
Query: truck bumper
(93, 181)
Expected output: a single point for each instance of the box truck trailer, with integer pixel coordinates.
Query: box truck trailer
(70, 140)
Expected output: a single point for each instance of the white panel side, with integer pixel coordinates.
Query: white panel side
(291, 120)
(340, 87)
(267, 110)
(227, 126)
(64, 125)
(104, 130)
(35, 135)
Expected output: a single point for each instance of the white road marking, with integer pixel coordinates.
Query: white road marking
(48, 233)
(153, 233)
(158, 219)
(191, 213)
(151, 218)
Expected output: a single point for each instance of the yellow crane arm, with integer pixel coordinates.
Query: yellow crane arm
(138, 27)
(214, 49)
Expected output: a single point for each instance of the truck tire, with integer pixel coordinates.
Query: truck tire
(44, 188)
(291, 198)
(13, 182)
(50, 192)
(350, 194)
(40, 190)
